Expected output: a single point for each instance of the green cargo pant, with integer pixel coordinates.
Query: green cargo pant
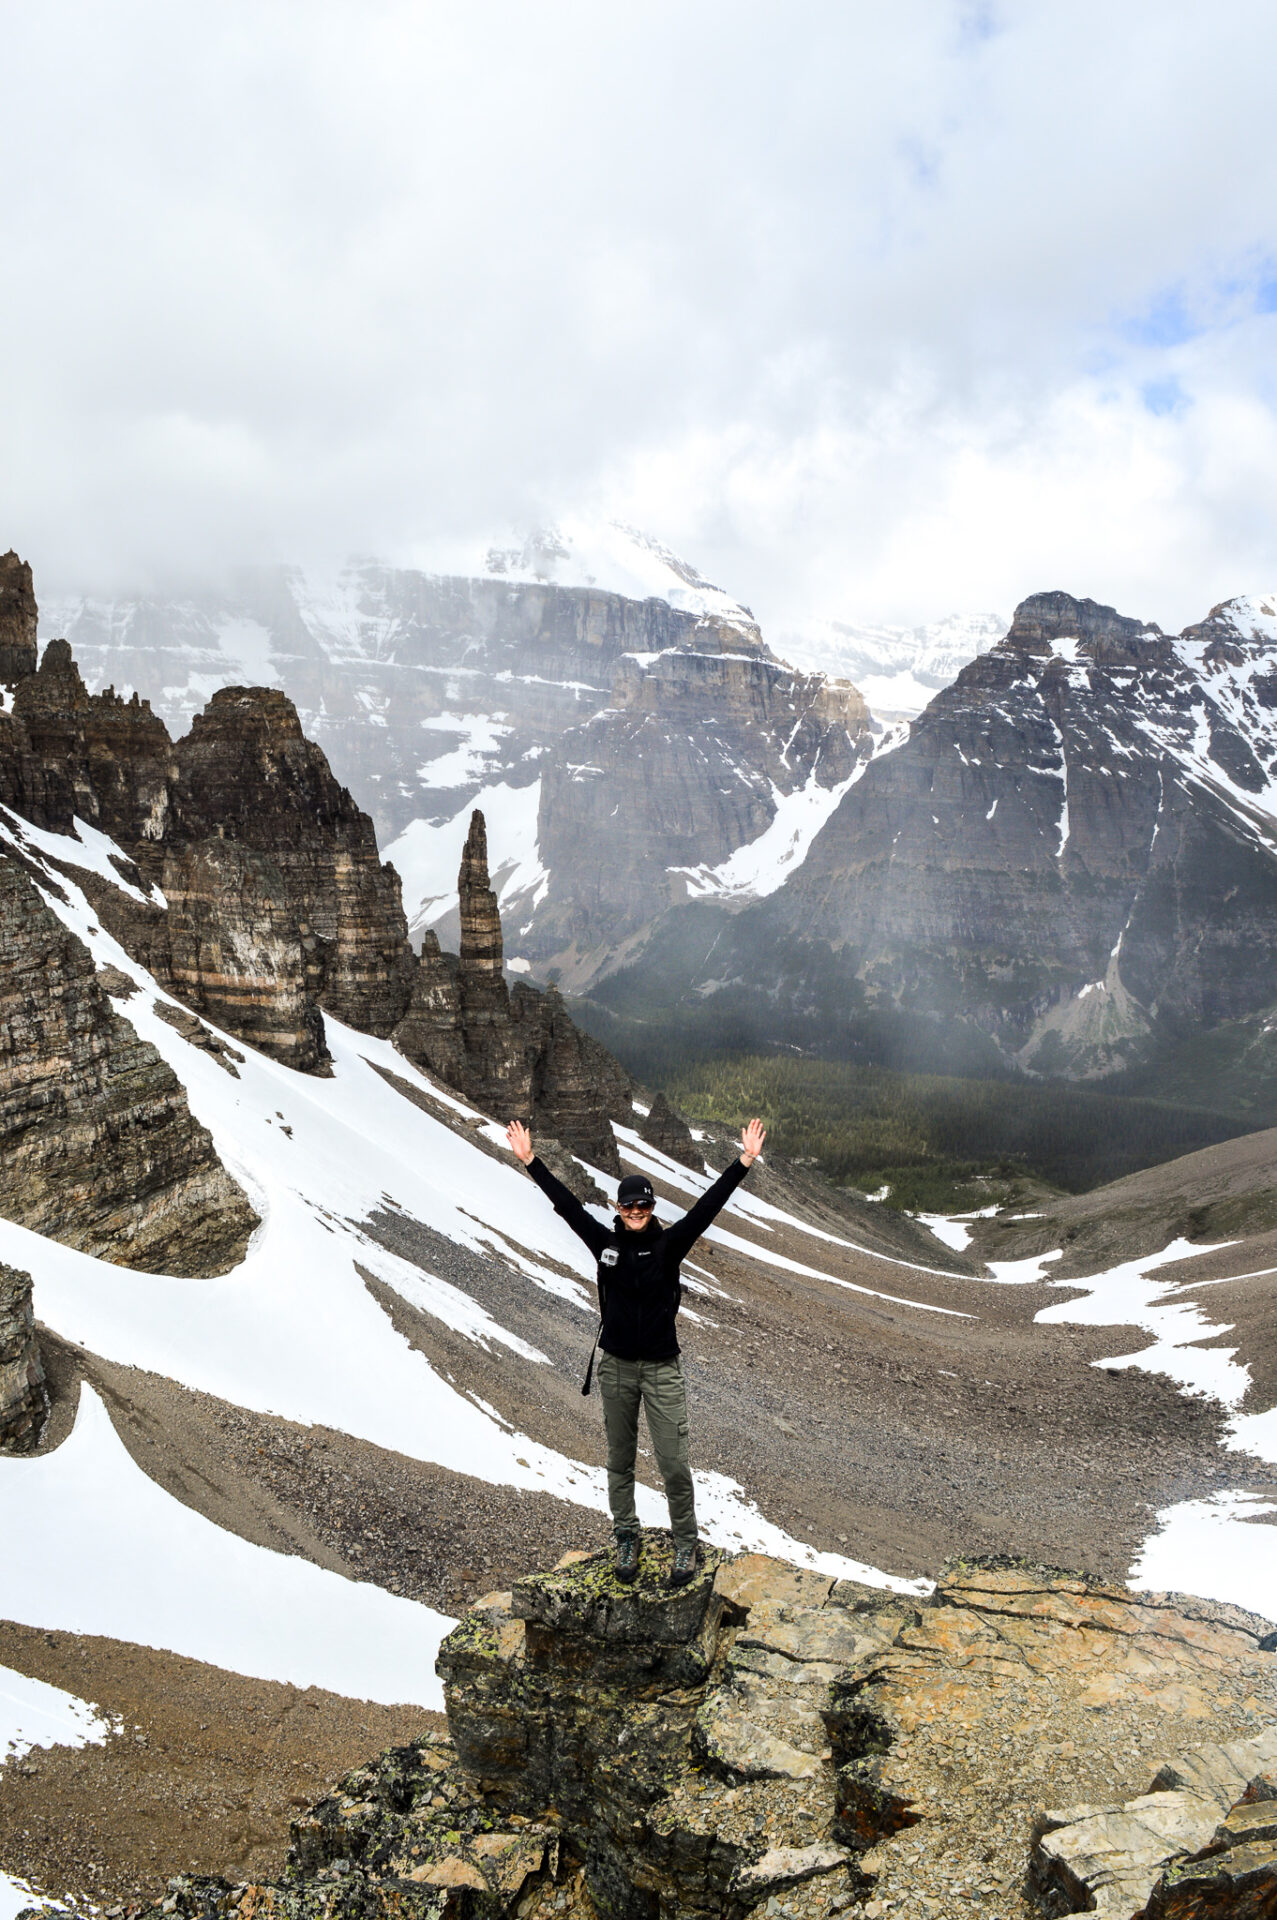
(658, 1384)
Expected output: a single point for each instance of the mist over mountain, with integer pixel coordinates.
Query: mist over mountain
(898, 669)
(1062, 863)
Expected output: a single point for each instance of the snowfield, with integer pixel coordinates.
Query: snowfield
(165, 1576)
(294, 1331)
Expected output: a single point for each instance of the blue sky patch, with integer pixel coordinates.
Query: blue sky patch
(1164, 396)
(1165, 323)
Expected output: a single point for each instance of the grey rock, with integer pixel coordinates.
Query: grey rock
(23, 1397)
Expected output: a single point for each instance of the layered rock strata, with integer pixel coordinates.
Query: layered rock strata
(1202, 1840)
(246, 773)
(19, 620)
(232, 948)
(1074, 850)
(23, 1398)
(250, 886)
(515, 1052)
(100, 1149)
(670, 1134)
(1236, 1873)
(390, 667)
(685, 765)
(273, 902)
(771, 1741)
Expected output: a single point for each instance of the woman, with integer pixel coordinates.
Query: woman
(639, 1296)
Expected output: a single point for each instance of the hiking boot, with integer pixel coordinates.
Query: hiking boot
(686, 1561)
(626, 1564)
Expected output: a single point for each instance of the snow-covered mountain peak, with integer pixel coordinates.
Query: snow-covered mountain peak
(611, 557)
(1252, 615)
(898, 669)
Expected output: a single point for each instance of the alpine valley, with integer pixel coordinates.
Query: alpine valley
(306, 1604)
(1063, 865)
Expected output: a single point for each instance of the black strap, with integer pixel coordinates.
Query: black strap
(589, 1371)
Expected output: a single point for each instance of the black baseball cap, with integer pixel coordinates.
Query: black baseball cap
(635, 1191)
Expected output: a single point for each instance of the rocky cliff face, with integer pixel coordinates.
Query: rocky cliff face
(100, 1149)
(1071, 857)
(274, 902)
(1075, 847)
(669, 1133)
(251, 887)
(422, 689)
(647, 802)
(246, 773)
(612, 740)
(770, 1741)
(23, 1397)
(19, 620)
(516, 1053)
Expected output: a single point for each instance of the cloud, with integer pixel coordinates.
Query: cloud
(873, 312)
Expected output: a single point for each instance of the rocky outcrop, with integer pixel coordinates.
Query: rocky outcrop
(515, 1053)
(246, 773)
(667, 1131)
(1236, 1874)
(100, 1149)
(685, 765)
(430, 1032)
(275, 902)
(768, 1740)
(1176, 1847)
(19, 620)
(24, 1399)
(67, 752)
(230, 946)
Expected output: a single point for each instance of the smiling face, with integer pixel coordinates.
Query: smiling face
(635, 1214)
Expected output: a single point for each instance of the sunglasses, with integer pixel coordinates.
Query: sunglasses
(635, 1206)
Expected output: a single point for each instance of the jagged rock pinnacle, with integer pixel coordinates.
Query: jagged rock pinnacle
(481, 946)
(17, 620)
(670, 1134)
(23, 1399)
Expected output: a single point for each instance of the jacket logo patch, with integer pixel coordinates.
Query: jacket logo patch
(609, 1257)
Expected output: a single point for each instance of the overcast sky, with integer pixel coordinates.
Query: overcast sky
(872, 311)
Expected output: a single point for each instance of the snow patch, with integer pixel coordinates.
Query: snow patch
(762, 865)
(427, 856)
(164, 1576)
(478, 739)
(1214, 1548)
(1126, 1296)
(17, 1894)
(34, 1714)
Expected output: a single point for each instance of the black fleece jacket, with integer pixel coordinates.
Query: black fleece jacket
(639, 1282)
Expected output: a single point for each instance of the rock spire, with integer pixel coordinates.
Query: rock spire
(23, 1398)
(17, 620)
(669, 1133)
(516, 1054)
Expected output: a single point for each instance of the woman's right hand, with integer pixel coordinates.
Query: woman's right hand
(519, 1141)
